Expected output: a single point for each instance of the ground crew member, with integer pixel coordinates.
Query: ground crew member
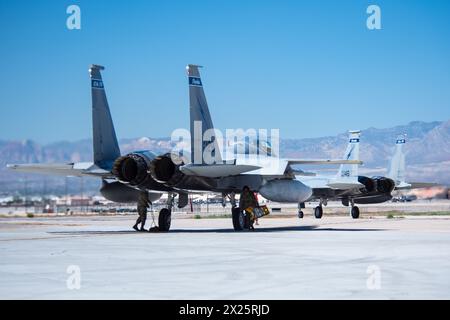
(142, 211)
(246, 200)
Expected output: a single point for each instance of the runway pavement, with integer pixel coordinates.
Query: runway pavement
(285, 258)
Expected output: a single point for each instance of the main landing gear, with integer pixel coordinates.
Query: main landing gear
(354, 211)
(165, 214)
(238, 217)
(318, 211)
(241, 220)
(301, 206)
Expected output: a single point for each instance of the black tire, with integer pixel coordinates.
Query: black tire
(246, 220)
(300, 214)
(164, 219)
(318, 212)
(238, 219)
(355, 212)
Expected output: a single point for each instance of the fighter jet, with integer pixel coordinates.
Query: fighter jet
(342, 186)
(142, 176)
(351, 188)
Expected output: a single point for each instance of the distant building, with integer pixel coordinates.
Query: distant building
(78, 202)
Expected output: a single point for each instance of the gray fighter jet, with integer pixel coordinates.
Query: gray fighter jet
(351, 188)
(142, 176)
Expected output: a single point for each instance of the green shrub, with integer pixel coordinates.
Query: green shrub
(30, 215)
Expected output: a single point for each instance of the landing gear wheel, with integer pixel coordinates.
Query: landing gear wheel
(318, 211)
(238, 219)
(164, 219)
(300, 214)
(246, 221)
(355, 212)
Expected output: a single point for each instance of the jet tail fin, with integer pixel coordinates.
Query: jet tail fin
(351, 153)
(200, 120)
(106, 148)
(397, 166)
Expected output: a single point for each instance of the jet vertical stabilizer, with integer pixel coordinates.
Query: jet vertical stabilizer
(106, 148)
(351, 153)
(200, 119)
(397, 167)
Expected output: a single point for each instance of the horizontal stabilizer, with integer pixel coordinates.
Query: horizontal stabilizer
(323, 161)
(415, 185)
(77, 169)
(216, 170)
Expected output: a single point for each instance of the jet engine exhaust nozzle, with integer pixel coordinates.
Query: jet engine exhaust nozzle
(132, 168)
(163, 170)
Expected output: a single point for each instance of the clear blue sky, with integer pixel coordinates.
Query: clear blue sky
(309, 68)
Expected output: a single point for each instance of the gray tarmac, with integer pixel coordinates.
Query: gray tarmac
(285, 258)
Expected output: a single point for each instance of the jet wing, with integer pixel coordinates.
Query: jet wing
(326, 182)
(345, 185)
(322, 161)
(415, 185)
(64, 169)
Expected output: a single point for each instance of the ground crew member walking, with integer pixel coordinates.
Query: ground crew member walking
(142, 211)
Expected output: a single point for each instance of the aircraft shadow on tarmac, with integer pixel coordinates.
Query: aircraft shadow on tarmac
(228, 230)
